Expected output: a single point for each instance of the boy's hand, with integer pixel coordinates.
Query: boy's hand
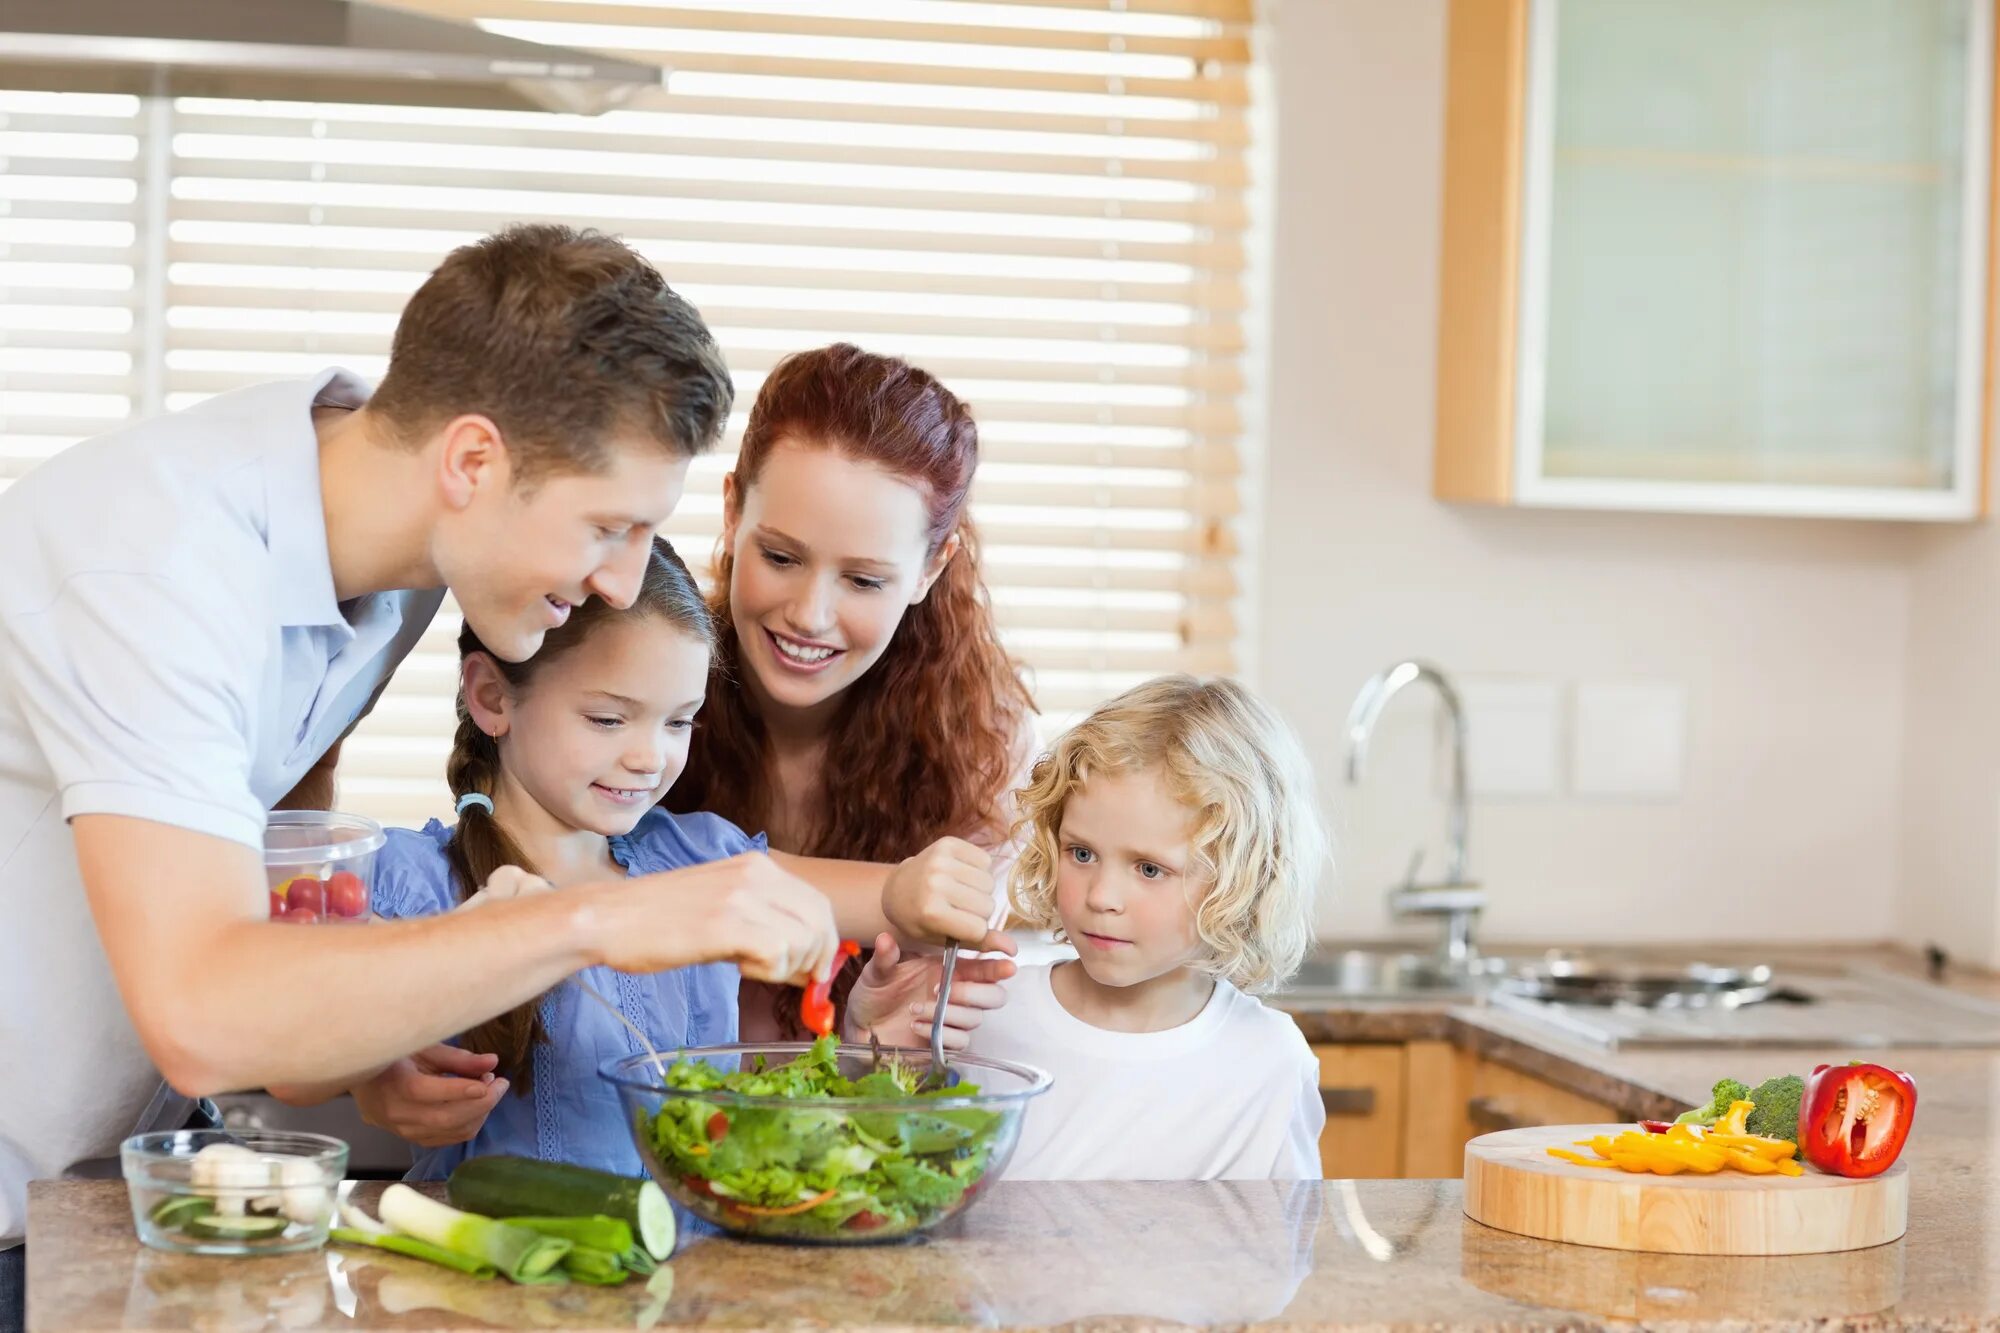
(896, 996)
(945, 893)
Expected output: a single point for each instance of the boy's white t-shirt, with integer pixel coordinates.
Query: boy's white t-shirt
(1232, 1094)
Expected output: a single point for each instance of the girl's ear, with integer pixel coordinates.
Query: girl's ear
(485, 692)
(935, 568)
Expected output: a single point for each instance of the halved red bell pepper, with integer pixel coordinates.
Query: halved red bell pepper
(1856, 1118)
(816, 1005)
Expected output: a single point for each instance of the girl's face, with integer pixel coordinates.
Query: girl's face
(1126, 878)
(828, 553)
(597, 735)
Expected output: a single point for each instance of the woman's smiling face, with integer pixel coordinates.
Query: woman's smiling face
(828, 552)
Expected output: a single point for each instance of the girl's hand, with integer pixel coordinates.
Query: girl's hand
(945, 893)
(437, 1097)
(896, 997)
(504, 883)
(770, 923)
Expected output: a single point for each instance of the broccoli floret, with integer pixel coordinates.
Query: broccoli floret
(1777, 1113)
(1725, 1091)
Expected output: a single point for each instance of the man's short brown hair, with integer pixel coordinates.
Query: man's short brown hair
(563, 337)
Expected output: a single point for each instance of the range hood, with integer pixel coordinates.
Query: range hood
(299, 50)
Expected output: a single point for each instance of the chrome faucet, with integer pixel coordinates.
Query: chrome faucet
(1456, 898)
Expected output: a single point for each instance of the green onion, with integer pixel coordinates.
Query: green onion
(599, 1232)
(413, 1248)
(599, 1268)
(523, 1255)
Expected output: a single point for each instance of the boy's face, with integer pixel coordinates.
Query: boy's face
(517, 558)
(1126, 878)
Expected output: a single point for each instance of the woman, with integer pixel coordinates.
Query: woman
(861, 704)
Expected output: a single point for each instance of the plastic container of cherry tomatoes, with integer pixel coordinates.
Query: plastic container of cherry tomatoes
(320, 865)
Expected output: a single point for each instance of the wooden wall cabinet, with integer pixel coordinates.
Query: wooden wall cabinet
(1724, 256)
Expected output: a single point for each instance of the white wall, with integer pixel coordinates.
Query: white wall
(1790, 637)
(1950, 866)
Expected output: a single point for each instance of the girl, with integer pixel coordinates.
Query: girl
(557, 765)
(1173, 838)
(861, 705)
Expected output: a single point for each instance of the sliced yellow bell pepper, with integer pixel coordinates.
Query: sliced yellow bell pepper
(1735, 1120)
(1685, 1148)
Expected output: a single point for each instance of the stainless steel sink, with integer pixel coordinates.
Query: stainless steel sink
(1387, 974)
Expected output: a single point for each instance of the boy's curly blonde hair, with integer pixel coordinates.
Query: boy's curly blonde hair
(1258, 838)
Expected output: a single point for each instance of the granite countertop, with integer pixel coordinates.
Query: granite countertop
(1338, 1254)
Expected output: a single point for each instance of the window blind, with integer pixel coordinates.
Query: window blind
(1044, 204)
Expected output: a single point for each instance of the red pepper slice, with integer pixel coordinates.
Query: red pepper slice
(1655, 1126)
(1856, 1118)
(816, 1008)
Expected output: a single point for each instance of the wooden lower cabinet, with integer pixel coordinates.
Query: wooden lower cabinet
(1362, 1088)
(1407, 1109)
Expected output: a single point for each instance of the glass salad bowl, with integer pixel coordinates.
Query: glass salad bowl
(809, 1143)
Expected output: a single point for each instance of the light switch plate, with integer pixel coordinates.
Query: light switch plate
(1630, 739)
(1513, 743)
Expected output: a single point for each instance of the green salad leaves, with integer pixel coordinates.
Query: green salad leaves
(818, 1169)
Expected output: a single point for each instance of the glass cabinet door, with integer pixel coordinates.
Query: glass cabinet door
(1754, 243)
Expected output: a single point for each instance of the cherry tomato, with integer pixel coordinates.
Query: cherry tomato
(718, 1126)
(277, 904)
(300, 916)
(865, 1221)
(306, 892)
(346, 895)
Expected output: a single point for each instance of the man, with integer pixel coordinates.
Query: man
(194, 610)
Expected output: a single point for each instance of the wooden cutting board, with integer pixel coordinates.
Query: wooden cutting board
(1512, 1183)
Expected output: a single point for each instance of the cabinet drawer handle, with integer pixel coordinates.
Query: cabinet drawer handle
(1490, 1115)
(1348, 1101)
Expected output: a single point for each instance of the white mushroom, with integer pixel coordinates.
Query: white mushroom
(229, 1173)
(305, 1196)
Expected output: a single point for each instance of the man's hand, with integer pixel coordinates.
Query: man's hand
(746, 910)
(435, 1098)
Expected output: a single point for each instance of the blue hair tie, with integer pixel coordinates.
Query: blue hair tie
(473, 798)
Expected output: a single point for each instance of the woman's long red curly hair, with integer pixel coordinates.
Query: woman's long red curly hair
(922, 745)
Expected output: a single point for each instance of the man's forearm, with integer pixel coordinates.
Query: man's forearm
(241, 1019)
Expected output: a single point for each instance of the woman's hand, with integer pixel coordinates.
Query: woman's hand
(435, 1098)
(945, 893)
(896, 997)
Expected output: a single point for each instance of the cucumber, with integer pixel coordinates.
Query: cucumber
(178, 1209)
(527, 1187)
(213, 1226)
